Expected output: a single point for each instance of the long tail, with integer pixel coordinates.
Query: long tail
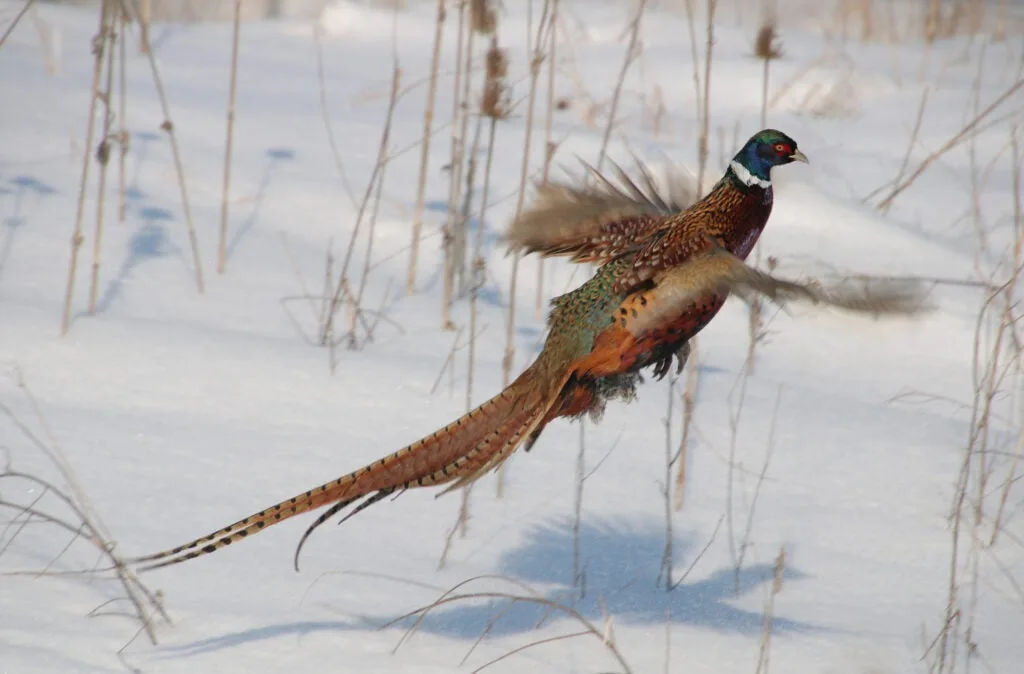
(461, 451)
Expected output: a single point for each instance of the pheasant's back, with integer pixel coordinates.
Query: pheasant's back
(734, 217)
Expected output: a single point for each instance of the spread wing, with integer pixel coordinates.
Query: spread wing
(601, 218)
(720, 272)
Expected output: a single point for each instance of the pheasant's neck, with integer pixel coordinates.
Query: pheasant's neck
(748, 178)
(752, 216)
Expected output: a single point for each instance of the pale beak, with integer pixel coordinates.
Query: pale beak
(799, 156)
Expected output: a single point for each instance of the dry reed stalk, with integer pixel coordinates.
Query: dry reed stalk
(455, 164)
(667, 553)
(534, 49)
(745, 543)
(631, 49)
(535, 52)
(689, 397)
(342, 288)
(691, 25)
(933, 19)
(579, 575)
(999, 32)
(86, 523)
(123, 140)
(737, 401)
(103, 153)
(325, 115)
(428, 121)
(867, 21)
(549, 147)
(764, 652)
(494, 107)
(462, 230)
(396, 78)
(996, 354)
(705, 101)
(1018, 258)
(144, 10)
(910, 146)
(524, 595)
(965, 132)
(767, 48)
(483, 20)
(229, 134)
(98, 44)
(15, 21)
(179, 167)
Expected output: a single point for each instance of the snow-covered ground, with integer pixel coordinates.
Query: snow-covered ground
(181, 412)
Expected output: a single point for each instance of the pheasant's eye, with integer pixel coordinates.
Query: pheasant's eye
(781, 149)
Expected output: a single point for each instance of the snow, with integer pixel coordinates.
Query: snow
(182, 412)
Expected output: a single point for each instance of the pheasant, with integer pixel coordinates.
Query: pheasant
(663, 275)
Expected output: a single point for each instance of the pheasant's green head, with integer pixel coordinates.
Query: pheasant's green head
(752, 165)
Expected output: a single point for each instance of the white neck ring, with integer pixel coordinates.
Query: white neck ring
(746, 177)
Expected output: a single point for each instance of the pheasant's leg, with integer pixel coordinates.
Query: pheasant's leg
(664, 356)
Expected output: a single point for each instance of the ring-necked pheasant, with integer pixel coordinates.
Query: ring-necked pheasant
(664, 274)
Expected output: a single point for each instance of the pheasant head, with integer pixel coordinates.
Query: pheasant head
(766, 149)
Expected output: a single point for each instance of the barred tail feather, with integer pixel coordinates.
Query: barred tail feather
(436, 459)
(488, 453)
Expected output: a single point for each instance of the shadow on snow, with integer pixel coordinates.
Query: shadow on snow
(620, 566)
